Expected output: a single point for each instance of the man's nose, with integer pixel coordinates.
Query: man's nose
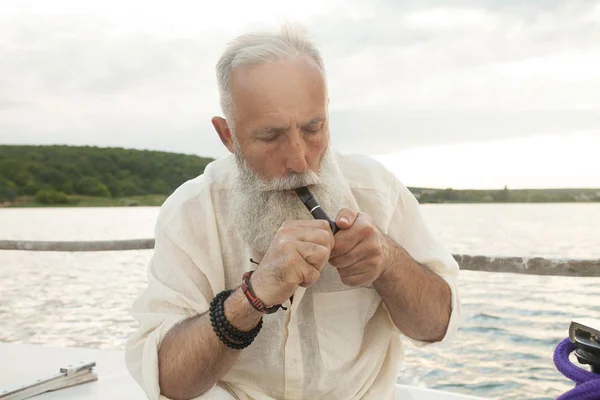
(296, 153)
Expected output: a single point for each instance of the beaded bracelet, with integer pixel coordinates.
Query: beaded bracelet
(230, 336)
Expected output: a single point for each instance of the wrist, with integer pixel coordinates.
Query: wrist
(257, 289)
(255, 300)
(240, 313)
(388, 260)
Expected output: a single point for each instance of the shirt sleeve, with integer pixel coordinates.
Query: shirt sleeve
(408, 228)
(183, 275)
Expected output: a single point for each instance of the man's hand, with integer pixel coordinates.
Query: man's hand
(419, 301)
(295, 258)
(360, 251)
(192, 358)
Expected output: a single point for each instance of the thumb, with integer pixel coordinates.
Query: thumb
(346, 218)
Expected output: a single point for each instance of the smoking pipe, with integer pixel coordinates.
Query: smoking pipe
(313, 206)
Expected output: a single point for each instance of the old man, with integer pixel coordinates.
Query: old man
(249, 296)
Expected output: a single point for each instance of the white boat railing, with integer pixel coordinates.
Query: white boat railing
(518, 265)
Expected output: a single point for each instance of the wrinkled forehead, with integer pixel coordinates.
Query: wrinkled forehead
(288, 89)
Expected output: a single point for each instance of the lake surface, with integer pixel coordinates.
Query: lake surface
(511, 323)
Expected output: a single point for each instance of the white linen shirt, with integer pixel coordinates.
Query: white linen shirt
(333, 342)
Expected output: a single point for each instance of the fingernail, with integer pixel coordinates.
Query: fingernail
(344, 219)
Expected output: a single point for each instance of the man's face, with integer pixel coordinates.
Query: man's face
(280, 121)
(281, 142)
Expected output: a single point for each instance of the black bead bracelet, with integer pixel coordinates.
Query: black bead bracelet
(230, 336)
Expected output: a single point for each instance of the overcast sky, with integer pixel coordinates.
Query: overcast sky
(445, 93)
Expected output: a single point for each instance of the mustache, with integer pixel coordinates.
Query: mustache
(250, 180)
(290, 181)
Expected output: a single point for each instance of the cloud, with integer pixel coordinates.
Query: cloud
(401, 74)
(523, 162)
(71, 83)
(355, 129)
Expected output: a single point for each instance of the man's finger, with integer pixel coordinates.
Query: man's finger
(354, 269)
(323, 237)
(346, 218)
(313, 254)
(345, 241)
(347, 259)
(309, 223)
(310, 277)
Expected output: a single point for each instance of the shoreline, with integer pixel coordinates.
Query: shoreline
(74, 201)
(157, 200)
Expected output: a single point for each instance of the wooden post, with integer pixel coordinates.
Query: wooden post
(517, 265)
(530, 266)
(106, 245)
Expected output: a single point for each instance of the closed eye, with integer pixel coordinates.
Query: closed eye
(313, 127)
(270, 138)
(270, 134)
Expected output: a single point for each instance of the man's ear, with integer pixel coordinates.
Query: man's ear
(220, 125)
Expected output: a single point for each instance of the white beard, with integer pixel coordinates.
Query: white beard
(261, 206)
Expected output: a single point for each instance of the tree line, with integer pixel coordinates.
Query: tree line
(52, 173)
(506, 196)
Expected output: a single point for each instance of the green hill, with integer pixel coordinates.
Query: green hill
(93, 176)
(506, 196)
(63, 174)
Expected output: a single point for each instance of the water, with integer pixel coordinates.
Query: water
(511, 323)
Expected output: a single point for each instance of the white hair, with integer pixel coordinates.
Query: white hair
(255, 48)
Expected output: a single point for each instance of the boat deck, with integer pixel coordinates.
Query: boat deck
(23, 364)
